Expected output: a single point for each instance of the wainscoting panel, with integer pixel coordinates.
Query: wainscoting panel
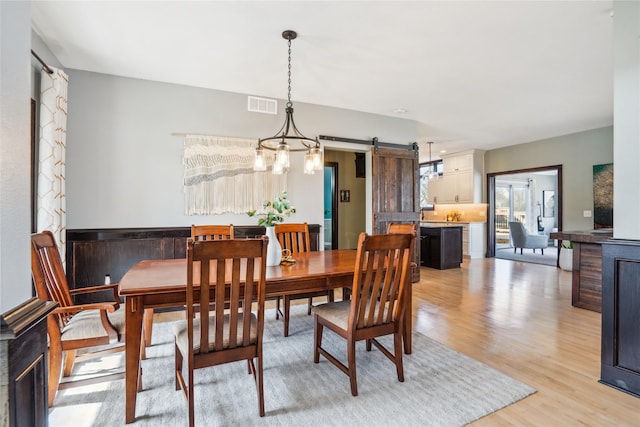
(620, 362)
(94, 253)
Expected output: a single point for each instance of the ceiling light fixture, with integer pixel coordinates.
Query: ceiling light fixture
(313, 159)
(431, 171)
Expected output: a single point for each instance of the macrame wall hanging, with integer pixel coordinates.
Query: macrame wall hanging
(219, 176)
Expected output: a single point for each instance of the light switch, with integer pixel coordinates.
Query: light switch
(586, 214)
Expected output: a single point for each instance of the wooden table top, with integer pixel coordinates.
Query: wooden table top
(170, 275)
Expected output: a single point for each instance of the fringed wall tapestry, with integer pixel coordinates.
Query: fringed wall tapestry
(219, 176)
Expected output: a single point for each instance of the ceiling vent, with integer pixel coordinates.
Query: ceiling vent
(262, 105)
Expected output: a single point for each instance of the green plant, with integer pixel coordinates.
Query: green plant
(567, 244)
(274, 211)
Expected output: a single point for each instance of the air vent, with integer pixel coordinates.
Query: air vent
(262, 105)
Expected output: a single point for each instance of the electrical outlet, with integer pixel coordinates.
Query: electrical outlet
(586, 214)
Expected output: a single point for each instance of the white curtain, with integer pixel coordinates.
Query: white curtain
(219, 176)
(51, 156)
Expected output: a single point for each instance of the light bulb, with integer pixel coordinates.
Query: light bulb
(259, 163)
(308, 163)
(282, 155)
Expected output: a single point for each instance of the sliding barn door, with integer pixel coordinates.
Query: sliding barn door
(396, 192)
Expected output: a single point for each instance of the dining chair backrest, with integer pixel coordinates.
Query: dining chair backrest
(48, 273)
(231, 271)
(377, 292)
(212, 232)
(294, 237)
(394, 228)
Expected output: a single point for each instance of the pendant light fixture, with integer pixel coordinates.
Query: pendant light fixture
(289, 133)
(431, 173)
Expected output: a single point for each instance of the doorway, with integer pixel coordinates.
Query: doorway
(330, 206)
(532, 197)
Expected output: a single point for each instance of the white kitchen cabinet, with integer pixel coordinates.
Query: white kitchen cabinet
(461, 181)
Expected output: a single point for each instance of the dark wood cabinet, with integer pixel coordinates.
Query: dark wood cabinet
(23, 364)
(441, 247)
(91, 254)
(620, 358)
(587, 266)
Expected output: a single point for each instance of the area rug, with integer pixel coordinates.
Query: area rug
(550, 256)
(442, 387)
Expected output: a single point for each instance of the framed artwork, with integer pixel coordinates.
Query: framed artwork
(548, 203)
(603, 196)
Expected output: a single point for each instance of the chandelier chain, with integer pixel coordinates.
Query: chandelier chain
(289, 104)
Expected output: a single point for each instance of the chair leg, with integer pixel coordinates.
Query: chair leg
(521, 251)
(260, 386)
(534, 250)
(191, 397)
(277, 308)
(542, 251)
(178, 366)
(309, 305)
(351, 357)
(368, 345)
(317, 339)
(514, 250)
(55, 368)
(69, 359)
(397, 344)
(287, 306)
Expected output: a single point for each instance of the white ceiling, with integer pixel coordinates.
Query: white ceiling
(473, 74)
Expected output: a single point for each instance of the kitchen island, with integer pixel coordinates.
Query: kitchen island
(441, 246)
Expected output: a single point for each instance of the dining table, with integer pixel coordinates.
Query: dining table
(162, 283)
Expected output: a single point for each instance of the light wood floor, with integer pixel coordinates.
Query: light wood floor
(518, 318)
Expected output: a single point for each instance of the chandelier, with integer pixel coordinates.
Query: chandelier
(313, 159)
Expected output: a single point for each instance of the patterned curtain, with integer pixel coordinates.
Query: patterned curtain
(51, 156)
(219, 176)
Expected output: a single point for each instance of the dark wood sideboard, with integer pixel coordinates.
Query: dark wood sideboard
(587, 266)
(93, 253)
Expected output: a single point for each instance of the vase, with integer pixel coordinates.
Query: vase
(274, 250)
(566, 259)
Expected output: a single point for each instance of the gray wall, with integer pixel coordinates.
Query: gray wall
(124, 167)
(15, 149)
(577, 153)
(626, 92)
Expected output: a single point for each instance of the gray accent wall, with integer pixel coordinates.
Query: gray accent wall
(124, 165)
(577, 153)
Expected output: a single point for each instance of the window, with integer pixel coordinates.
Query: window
(426, 169)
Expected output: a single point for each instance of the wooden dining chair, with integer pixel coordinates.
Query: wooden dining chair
(212, 232)
(72, 327)
(376, 307)
(392, 228)
(295, 238)
(219, 271)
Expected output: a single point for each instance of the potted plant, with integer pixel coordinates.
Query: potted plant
(566, 256)
(274, 212)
